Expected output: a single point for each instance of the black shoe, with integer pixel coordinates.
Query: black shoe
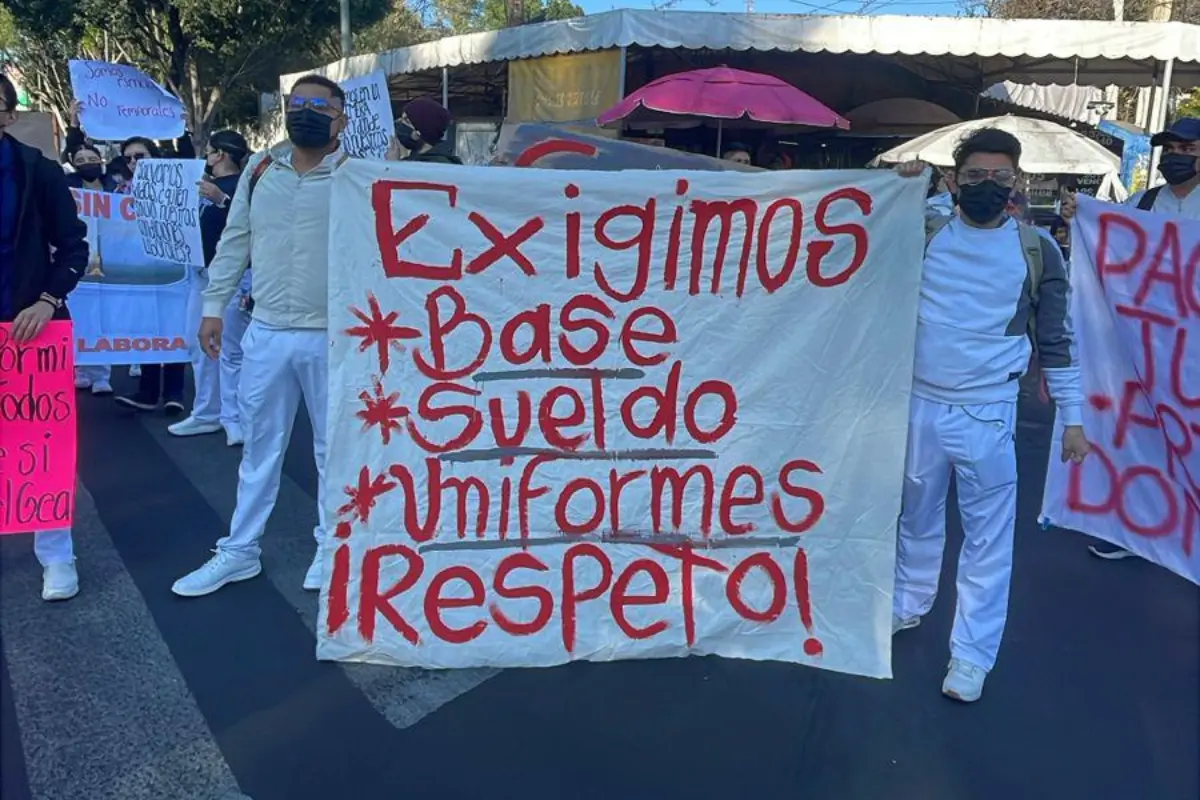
(138, 402)
(173, 408)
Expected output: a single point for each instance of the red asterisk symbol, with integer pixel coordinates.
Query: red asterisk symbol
(380, 330)
(381, 410)
(363, 496)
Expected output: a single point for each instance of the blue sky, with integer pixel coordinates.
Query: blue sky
(926, 7)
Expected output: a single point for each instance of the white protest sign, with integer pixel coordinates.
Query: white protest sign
(369, 121)
(602, 415)
(118, 101)
(1135, 302)
(167, 207)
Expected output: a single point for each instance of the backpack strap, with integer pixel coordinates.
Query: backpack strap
(934, 226)
(259, 170)
(1031, 247)
(1035, 264)
(1148, 199)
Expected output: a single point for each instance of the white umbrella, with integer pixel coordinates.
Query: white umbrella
(1046, 148)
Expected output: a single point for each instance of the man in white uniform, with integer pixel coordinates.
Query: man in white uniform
(1179, 198)
(279, 219)
(979, 294)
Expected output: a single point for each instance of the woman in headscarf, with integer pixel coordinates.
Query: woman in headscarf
(215, 406)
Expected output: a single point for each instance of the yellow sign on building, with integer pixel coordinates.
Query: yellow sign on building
(564, 88)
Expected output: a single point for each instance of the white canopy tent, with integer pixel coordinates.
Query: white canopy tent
(1047, 148)
(978, 50)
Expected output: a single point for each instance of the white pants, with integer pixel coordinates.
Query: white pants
(977, 443)
(54, 547)
(280, 366)
(216, 382)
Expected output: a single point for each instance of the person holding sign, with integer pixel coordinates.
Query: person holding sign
(157, 383)
(285, 346)
(43, 254)
(1180, 198)
(89, 176)
(987, 278)
(215, 407)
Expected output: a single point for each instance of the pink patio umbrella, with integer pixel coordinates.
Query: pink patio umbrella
(722, 93)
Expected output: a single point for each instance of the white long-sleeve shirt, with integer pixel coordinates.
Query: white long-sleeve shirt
(1170, 204)
(973, 320)
(284, 233)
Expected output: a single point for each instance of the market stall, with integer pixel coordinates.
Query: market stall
(570, 70)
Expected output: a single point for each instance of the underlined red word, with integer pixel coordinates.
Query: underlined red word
(716, 246)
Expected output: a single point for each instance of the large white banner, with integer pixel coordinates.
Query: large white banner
(129, 308)
(118, 101)
(588, 415)
(370, 125)
(1135, 306)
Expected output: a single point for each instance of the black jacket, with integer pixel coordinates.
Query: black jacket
(440, 153)
(213, 218)
(50, 251)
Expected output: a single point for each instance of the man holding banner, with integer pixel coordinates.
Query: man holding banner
(987, 279)
(285, 345)
(43, 254)
(1179, 166)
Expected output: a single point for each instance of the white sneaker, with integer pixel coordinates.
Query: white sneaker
(102, 387)
(964, 681)
(901, 624)
(233, 435)
(1109, 552)
(135, 371)
(316, 574)
(219, 570)
(193, 427)
(60, 582)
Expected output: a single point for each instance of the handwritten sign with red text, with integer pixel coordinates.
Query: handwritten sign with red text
(1136, 304)
(37, 430)
(590, 415)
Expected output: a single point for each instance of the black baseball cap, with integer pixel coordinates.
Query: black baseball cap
(1184, 130)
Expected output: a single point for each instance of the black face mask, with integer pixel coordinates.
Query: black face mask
(406, 135)
(90, 172)
(1177, 168)
(308, 129)
(983, 202)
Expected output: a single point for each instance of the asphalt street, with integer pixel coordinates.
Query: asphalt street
(130, 693)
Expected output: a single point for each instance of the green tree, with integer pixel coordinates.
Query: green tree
(1189, 106)
(469, 16)
(1134, 10)
(403, 25)
(215, 55)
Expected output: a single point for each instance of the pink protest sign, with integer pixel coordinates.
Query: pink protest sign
(37, 430)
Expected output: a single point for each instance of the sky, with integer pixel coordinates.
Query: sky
(919, 7)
